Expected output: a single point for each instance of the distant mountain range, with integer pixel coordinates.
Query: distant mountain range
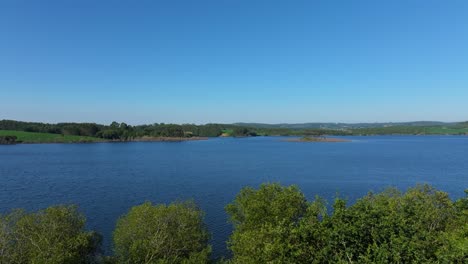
(345, 125)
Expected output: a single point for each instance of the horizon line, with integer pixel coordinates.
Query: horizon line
(245, 123)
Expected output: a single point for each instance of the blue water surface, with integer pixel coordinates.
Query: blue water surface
(106, 179)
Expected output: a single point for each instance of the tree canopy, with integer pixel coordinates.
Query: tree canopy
(162, 234)
(124, 132)
(52, 235)
(272, 224)
(262, 222)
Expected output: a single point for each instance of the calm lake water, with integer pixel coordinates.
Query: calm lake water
(106, 179)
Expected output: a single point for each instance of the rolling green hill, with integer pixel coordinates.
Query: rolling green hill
(33, 137)
(412, 130)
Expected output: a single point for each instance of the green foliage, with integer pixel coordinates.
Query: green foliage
(455, 245)
(455, 240)
(272, 224)
(412, 130)
(243, 132)
(33, 137)
(116, 131)
(8, 140)
(389, 227)
(124, 132)
(78, 129)
(53, 235)
(420, 226)
(263, 222)
(162, 234)
(271, 203)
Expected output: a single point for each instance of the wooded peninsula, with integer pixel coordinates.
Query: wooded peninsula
(12, 131)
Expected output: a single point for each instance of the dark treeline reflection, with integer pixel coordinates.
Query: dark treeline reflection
(272, 224)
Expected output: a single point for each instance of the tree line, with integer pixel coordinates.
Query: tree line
(125, 132)
(272, 224)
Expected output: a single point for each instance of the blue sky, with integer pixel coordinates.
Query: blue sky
(231, 60)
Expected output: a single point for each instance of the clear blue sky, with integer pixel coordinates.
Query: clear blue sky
(231, 60)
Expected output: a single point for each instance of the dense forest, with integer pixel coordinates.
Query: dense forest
(272, 224)
(8, 140)
(124, 132)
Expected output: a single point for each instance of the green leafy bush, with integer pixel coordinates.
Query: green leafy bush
(162, 234)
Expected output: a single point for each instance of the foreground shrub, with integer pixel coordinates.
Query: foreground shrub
(273, 225)
(162, 234)
(389, 227)
(264, 221)
(53, 235)
(455, 240)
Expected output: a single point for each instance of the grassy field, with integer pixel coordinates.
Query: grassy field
(447, 130)
(32, 137)
(412, 130)
(227, 132)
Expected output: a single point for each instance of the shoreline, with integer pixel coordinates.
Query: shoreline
(182, 139)
(144, 139)
(166, 139)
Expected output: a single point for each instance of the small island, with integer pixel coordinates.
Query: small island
(316, 139)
